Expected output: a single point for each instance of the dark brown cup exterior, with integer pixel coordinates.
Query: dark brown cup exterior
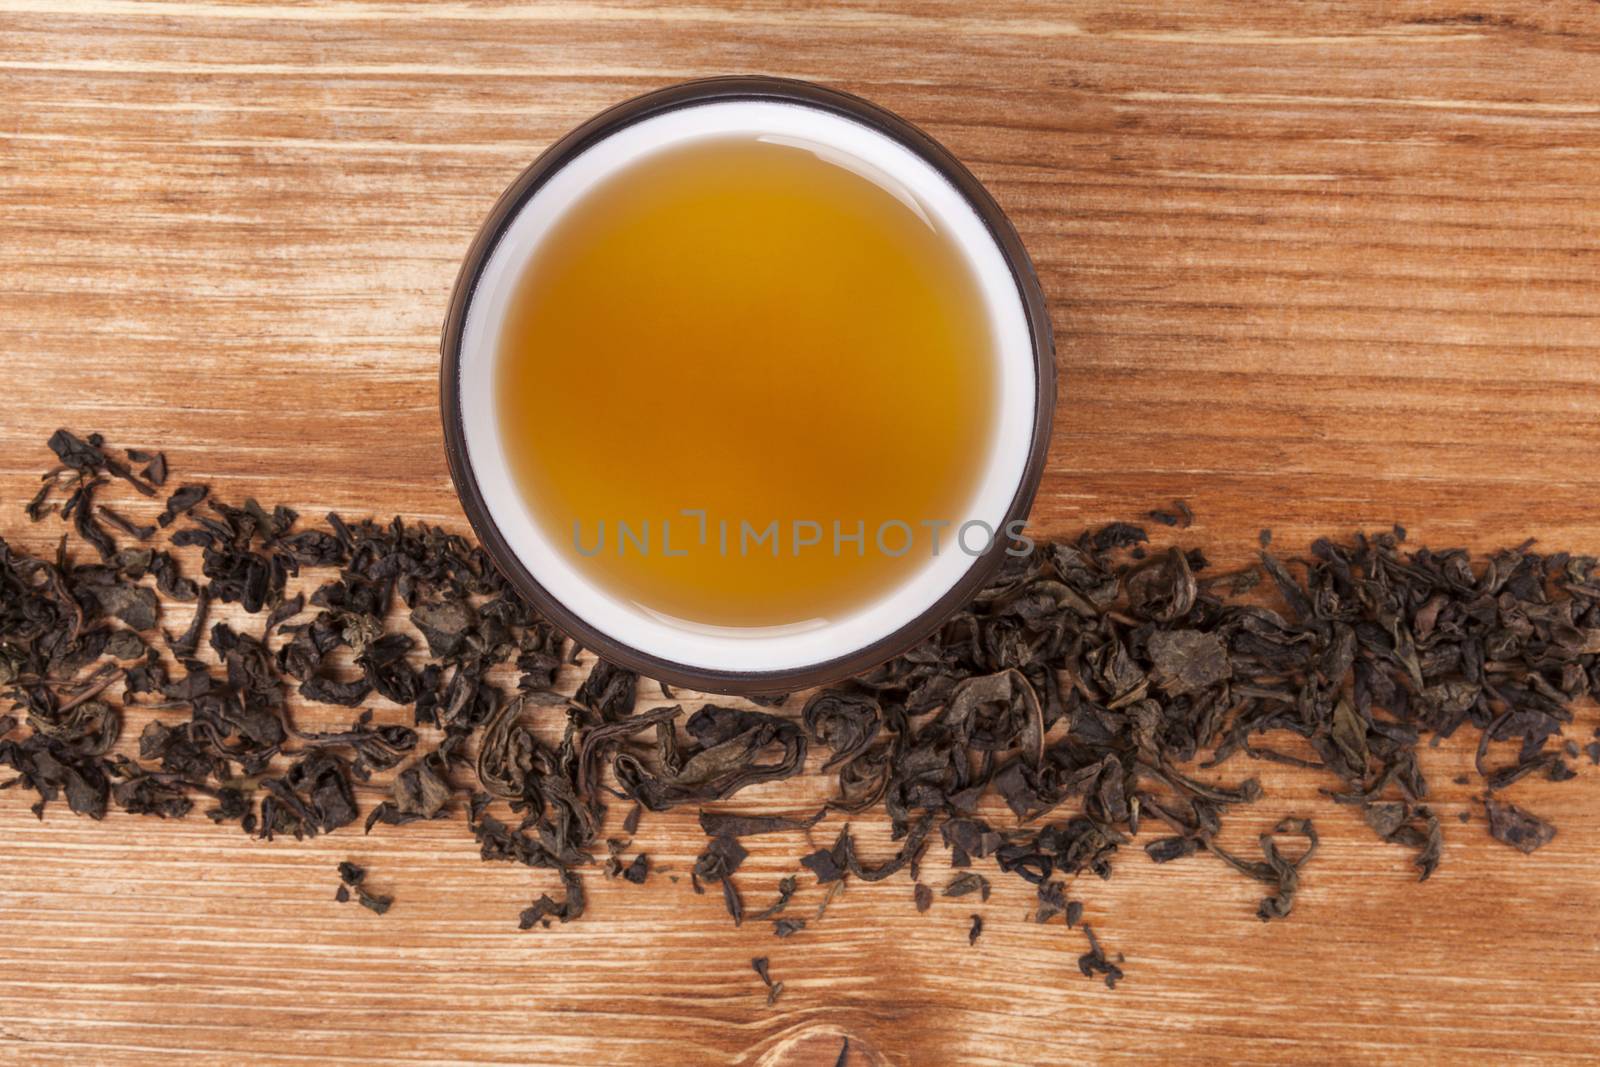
(689, 94)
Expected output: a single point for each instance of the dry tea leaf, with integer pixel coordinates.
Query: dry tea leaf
(1520, 829)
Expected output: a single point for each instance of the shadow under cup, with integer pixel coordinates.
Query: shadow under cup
(755, 659)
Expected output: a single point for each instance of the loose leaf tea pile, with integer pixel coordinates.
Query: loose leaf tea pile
(1108, 696)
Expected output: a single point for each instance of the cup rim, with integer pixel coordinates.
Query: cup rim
(688, 94)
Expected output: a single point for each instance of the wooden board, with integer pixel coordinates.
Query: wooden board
(1314, 266)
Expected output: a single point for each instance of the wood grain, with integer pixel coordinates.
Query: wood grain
(1316, 266)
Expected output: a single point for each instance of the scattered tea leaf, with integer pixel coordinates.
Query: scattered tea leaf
(773, 988)
(966, 883)
(1520, 829)
(1090, 688)
(1095, 962)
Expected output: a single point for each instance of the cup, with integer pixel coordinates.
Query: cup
(747, 660)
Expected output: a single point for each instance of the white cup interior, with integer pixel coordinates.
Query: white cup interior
(746, 649)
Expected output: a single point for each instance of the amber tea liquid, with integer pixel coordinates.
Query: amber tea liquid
(745, 336)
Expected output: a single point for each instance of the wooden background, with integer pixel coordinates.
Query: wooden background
(1314, 266)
